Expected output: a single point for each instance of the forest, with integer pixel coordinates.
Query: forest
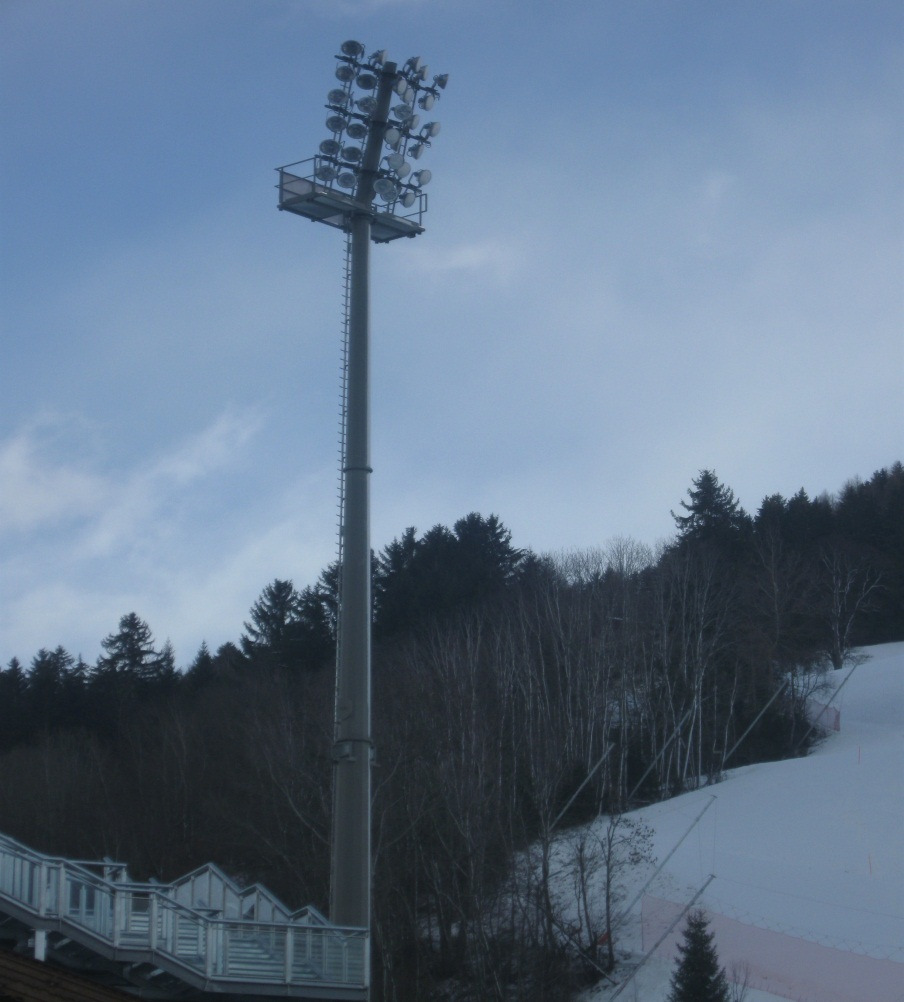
(515, 696)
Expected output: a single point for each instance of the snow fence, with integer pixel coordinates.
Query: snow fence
(783, 965)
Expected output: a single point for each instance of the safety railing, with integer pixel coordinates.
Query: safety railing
(128, 917)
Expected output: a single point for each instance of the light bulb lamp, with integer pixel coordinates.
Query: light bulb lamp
(353, 185)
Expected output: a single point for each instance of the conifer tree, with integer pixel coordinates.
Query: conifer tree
(271, 637)
(698, 976)
(130, 652)
(713, 512)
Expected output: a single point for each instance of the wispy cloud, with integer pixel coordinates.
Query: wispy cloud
(40, 486)
(84, 537)
(493, 260)
(147, 491)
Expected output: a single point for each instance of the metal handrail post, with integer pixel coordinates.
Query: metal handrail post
(153, 918)
(117, 917)
(289, 958)
(41, 889)
(209, 946)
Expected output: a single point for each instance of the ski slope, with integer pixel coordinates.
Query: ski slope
(807, 856)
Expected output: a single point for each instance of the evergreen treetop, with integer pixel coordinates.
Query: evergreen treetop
(698, 976)
(713, 511)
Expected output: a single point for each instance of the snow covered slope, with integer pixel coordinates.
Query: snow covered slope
(811, 849)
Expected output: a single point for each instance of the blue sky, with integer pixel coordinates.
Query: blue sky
(661, 237)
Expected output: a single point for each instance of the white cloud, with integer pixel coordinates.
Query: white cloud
(494, 260)
(129, 534)
(39, 488)
(128, 520)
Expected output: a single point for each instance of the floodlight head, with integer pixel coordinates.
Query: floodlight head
(366, 81)
(426, 101)
(392, 137)
(345, 72)
(395, 161)
(417, 151)
(441, 80)
(367, 105)
(378, 58)
(326, 172)
(403, 112)
(356, 130)
(413, 64)
(423, 72)
(347, 180)
(400, 86)
(421, 178)
(330, 148)
(408, 199)
(338, 97)
(352, 154)
(387, 189)
(353, 49)
(336, 123)
(430, 130)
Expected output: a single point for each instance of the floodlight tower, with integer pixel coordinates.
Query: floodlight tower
(365, 158)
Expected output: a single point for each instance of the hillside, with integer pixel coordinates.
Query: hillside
(810, 849)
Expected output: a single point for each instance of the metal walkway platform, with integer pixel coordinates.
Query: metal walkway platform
(200, 937)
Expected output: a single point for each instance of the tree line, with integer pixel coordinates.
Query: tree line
(514, 696)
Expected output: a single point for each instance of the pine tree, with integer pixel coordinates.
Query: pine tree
(698, 976)
(713, 511)
(131, 652)
(271, 637)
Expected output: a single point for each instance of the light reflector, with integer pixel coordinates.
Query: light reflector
(386, 188)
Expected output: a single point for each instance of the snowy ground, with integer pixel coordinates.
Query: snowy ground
(812, 848)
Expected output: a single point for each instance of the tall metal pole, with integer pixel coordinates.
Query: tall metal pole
(350, 890)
